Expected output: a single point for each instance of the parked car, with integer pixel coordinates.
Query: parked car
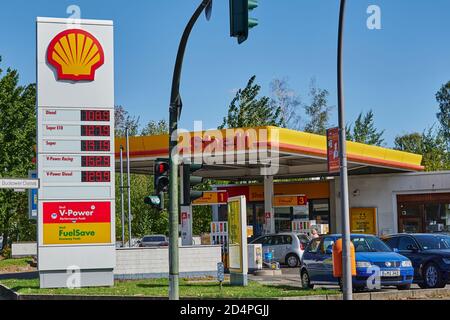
(287, 247)
(430, 256)
(154, 241)
(371, 252)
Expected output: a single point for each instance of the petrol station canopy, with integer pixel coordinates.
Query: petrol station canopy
(295, 154)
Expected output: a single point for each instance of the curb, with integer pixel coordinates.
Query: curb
(8, 294)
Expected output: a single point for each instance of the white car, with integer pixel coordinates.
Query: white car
(287, 248)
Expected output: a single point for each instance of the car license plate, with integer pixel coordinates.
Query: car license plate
(390, 273)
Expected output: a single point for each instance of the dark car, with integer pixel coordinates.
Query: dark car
(371, 254)
(430, 255)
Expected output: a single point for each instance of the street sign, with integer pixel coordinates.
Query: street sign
(19, 184)
(33, 199)
(220, 272)
(75, 122)
(186, 226)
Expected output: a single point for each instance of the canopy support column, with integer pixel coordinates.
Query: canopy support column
(268, 205)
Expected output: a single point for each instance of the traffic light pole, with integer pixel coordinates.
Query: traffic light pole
(175, 113)
(346, 254)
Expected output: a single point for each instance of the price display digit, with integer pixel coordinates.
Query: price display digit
(96, 176)
(96, 146)
(95, 161)
(95, 116)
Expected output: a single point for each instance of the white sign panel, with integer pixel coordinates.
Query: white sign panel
(75, 72)
(186, 226)
(19, 184)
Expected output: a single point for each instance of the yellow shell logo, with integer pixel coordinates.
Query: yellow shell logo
(76, 55)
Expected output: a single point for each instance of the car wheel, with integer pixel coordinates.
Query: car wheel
(306, 281)
(432, 277)
(404, 287)
(292, 261)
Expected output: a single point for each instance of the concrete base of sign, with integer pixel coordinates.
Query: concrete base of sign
(86, 278)
(238, 279)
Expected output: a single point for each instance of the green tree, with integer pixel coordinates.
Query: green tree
(430, 144)
(443, 98)
(365, 131)
(146, 220)
(17, 141)
(155, 128)
(318, 111)
(247, 110)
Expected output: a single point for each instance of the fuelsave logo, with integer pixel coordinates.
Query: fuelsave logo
(76, 233)
(85, 233)
(77, 212)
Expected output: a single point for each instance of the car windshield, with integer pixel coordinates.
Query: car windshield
(369, 244)
(154, 239)
(433, 242)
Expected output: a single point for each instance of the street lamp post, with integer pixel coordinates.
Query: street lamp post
(346, 254)
(175, 113)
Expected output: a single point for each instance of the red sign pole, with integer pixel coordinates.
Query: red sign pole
(334, 164)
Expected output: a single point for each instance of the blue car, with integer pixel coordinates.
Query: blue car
(372, 255)
(429, 254)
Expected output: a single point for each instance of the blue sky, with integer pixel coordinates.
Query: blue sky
(395, 71)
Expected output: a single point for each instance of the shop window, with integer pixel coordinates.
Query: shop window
(283, 219)
(320, 211)
(410, 210)
(223, 213)
(437, 217)
(250, 215)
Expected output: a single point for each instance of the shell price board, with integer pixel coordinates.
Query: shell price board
(75, 126)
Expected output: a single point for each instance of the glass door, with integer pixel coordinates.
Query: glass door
(411, 218)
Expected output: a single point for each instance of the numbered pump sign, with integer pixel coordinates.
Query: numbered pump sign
(75, 83)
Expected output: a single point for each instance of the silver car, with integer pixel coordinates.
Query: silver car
(287, 248)
(154, 241)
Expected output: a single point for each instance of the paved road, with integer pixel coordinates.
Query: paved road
(291, 277)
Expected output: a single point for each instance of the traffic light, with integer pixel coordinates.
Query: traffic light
(155, 201)
(240, 19)
(161, 184)
(162, 168)
(190, 181)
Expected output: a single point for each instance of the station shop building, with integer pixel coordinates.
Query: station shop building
(389, 190)
(380, 204)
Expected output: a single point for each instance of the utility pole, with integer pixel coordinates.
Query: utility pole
(346, 254)
(130, 216)
(122, 200)
(176, 106)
